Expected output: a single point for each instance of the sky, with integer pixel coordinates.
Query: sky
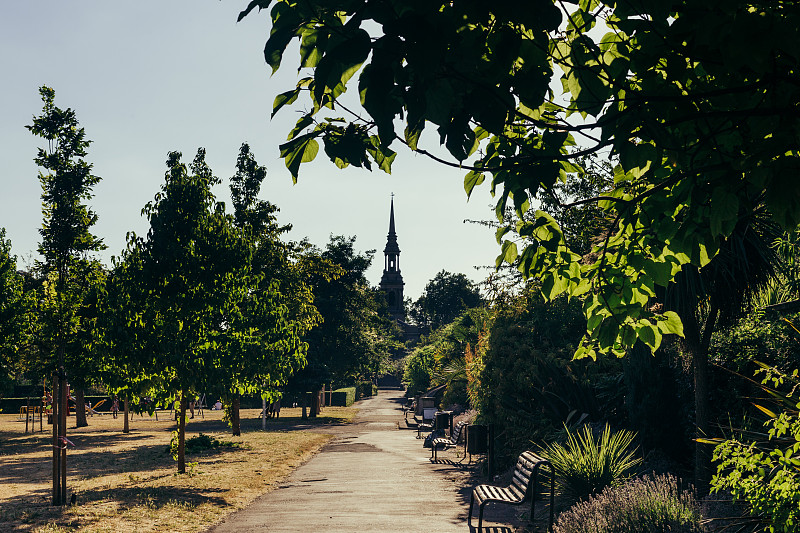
(146, 78)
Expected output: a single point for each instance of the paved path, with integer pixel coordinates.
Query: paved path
(372, 477)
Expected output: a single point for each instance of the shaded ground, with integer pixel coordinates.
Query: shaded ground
(128, 482)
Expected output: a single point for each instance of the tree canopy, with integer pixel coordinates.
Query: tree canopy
(444, 298)
(703, 125)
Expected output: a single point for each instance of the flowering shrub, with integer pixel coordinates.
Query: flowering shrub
(643, 505)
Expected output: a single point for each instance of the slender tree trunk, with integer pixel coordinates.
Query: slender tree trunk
(698, 343)
(126, 428)
(56, 446)
(305, 406)
(80, 408)
(182, 435)
(62, 431)
(263, 414)
(235, 421)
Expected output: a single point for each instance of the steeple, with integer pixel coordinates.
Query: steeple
(392, 280)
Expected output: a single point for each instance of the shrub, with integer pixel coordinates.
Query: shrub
(419, 366)
(585, 466)
(644, 505)
(343, 397)
(765, 473)
(365, 389)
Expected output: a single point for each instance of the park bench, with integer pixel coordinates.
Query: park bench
(426, 420)
(447, 442)
(522, 487)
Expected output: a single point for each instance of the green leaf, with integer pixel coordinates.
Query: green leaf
(303, 149)
(670, 323)
(284, 99)
(471, 180)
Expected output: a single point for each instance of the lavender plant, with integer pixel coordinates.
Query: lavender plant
(643, 505)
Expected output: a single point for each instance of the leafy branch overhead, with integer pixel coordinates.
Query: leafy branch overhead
(703, 125)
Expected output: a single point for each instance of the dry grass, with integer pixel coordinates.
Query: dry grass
(129, 482)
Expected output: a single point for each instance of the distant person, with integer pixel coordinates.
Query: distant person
(115, 407)
(218, 405)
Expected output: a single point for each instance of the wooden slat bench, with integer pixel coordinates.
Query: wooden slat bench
(426, 422)
(446, 442)
(523, 486)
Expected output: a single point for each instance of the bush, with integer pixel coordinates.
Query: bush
(365, 389)
(585, 467)
(419, 366)
(765, 473)
(644, 505)
(343, 397)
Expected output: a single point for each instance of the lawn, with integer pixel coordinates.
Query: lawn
(129, 482)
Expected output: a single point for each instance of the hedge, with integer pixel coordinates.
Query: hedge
(343, 397)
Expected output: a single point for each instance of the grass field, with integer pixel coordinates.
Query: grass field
(128, 482)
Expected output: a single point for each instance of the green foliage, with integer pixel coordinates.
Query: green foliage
(419, 366)
(644, 505)
(197, 444)
(529, 385)
(70, 278)
(584, 466)
(14, 309)
(763, 468)
(344, 397)
(444, 298)
(441, 357)
(702, 125)
(365, 389)
(356, 336)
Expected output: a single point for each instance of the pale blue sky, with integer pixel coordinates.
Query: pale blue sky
(149, 77)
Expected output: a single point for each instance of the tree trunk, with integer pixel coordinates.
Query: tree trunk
(62, 431)
(56, 448)
(80, 408)
(126, 411)
(315, 409)
(305, 406)
(263, 414)
(235, 421)
(182, 435)
(698, 343)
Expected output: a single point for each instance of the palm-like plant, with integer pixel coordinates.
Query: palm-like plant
(584, 466)
(718, 293)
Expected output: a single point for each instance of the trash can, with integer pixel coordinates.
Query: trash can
(477, 439)
(442, 420)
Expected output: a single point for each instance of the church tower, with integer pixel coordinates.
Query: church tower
(392, 280)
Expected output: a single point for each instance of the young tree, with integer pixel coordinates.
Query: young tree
(66, 244)
(699, 112)
(190, 275)
(278, 310)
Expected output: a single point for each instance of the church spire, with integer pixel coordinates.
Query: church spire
(392, 280)
(391, 218)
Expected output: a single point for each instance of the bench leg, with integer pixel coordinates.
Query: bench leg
(480, 515)
(469, 513)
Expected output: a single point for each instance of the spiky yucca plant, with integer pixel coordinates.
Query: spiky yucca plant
(585, 466)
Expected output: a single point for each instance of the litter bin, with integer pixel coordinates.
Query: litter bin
(477, 439)
(442, 420)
